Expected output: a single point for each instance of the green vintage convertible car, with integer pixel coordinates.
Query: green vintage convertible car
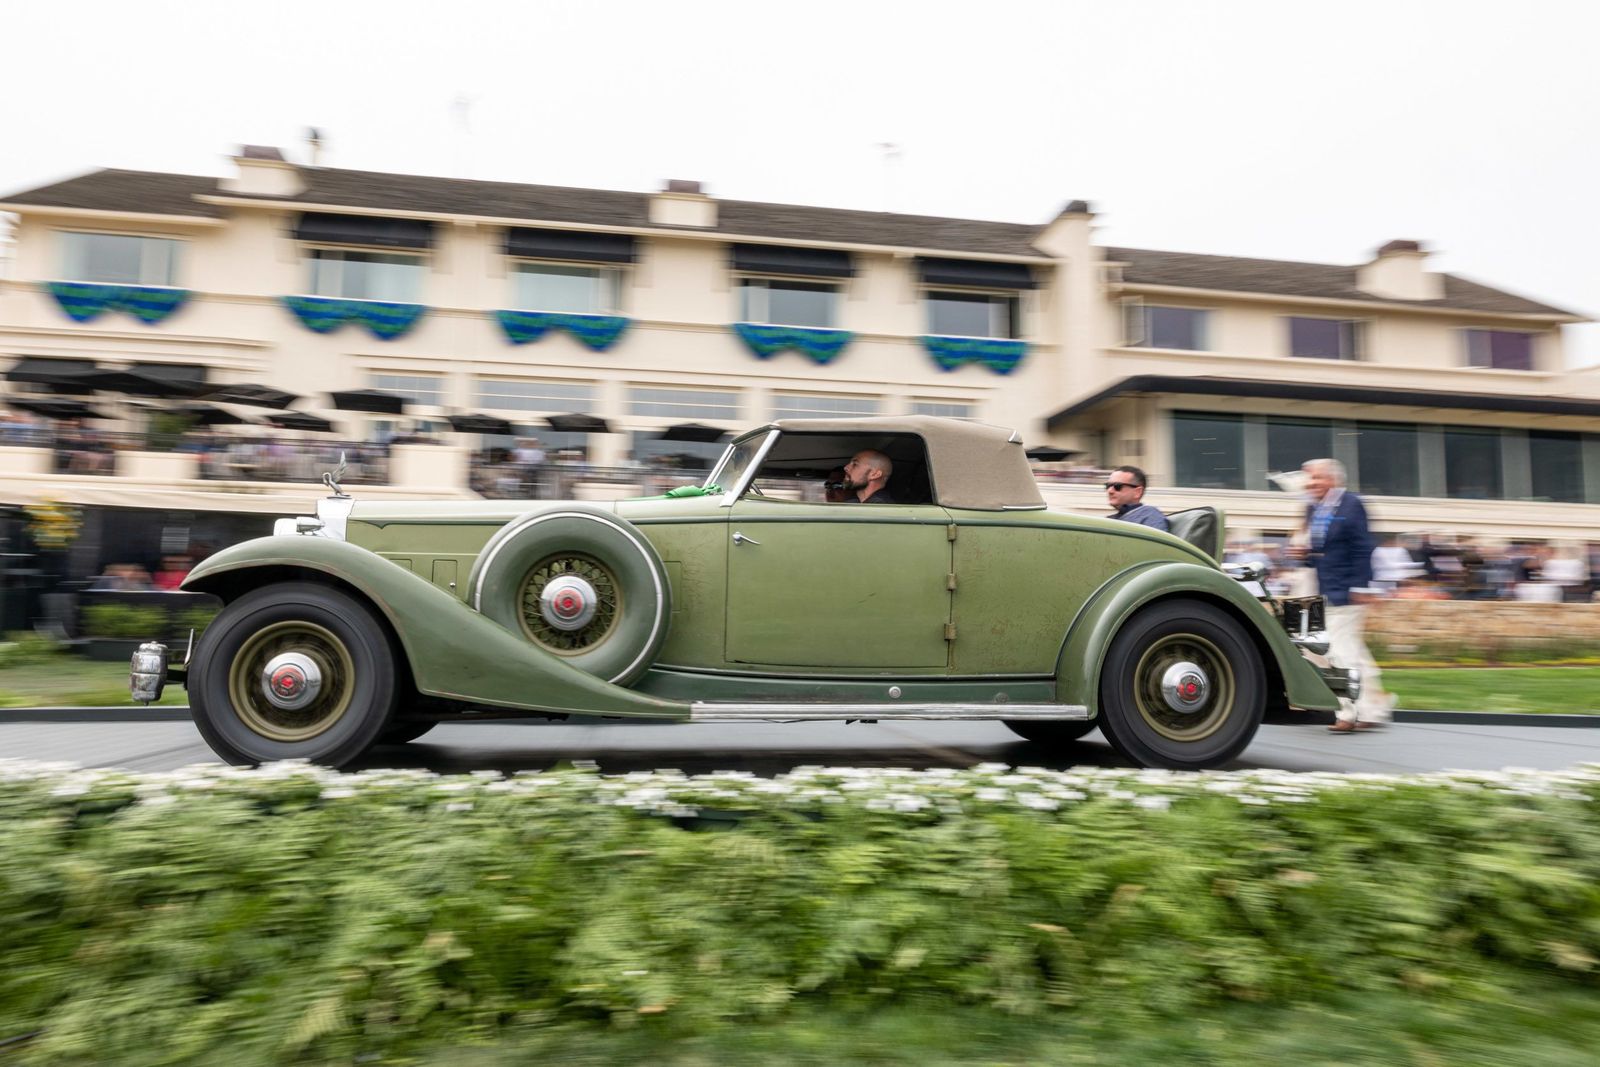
(748, 599)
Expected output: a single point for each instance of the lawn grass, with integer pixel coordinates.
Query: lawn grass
(1548, 1024)
(1534, 690)
(67, 681)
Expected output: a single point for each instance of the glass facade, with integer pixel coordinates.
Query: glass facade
(959, 314)
(805, 406)
(948, 409)
(683, 404)
(535, 394)
(366, 275)
(424, 389)
(1219, 450)
(569, 290)
(1208, 450)
(1177, 328)
(1555, 461)
(1311, 338)
(117, 259)
(777, 302)
(1500, 349)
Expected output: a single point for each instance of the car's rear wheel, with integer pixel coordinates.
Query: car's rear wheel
(1051, 733)
(294, 671)
(581, 584)
(1182, 687)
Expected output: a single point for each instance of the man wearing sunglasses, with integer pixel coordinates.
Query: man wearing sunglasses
(1125, 492)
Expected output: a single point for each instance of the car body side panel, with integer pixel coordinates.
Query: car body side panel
(1078, 670)
(695, 556)
(453, 651)
(823, 586)
(1022, 578)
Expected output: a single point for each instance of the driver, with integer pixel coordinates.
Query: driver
(865, 477)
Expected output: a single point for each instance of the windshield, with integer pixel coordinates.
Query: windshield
(730, 470)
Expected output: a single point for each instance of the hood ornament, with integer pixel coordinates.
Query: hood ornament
(331, 478)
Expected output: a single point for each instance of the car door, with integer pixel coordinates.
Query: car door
(837, 585)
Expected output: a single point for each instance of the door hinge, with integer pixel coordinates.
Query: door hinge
(950, 582)
(949, 631)
(950, 532)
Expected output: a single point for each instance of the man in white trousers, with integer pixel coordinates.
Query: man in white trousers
(1340, 546)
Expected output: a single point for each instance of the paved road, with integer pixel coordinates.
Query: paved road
(772, 748)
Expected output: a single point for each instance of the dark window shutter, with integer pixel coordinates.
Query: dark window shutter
(801, 262)
(364, 230)
(572, 246)
(975, 273)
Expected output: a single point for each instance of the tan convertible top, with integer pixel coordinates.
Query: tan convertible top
(971, 465)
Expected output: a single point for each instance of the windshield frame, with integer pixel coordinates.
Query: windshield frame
(744, 477)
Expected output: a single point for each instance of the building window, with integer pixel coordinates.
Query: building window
(952, 313)
(1311, 338)
(805, 406)
(1208, 450)
(780, 302)
(1556, 459)
(1155, 326)
(945, 409)
(1388, 456)
(366, 275)
(118, 259)
(1472, 463)
(424, 389)
(1291, 442)
(1499, 349)
(683, 403)
(534, 394)
(572, 290)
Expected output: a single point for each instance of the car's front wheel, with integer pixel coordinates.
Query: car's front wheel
(1182, 687)
(293, 671)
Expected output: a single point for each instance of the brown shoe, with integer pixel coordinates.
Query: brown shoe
(1344, 727)
(1369, 726)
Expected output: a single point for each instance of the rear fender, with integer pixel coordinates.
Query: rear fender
(1084, 651)
(454, 652)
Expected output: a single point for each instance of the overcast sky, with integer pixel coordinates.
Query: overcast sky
(1291, 130)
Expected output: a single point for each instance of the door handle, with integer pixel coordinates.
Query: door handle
(741, 539)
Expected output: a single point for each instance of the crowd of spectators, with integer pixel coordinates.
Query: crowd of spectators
(1442, 567)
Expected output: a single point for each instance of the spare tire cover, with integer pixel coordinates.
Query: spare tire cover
(579, 583)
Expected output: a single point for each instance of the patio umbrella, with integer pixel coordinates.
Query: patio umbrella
(261, 396)
(300, 420)
(209, 415)
(474, 423)
(60, 375)
(139, 383)
(1051, 454)
(375, 400)
(55, 409)
(693, 431)
(573, 423)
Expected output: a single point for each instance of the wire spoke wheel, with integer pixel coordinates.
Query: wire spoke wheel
(1183, 687)
(570, 603)
(291, 680)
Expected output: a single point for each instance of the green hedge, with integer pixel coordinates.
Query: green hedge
(293, 914)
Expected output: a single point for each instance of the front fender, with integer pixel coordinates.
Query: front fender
(1084, 650)
(453, 651)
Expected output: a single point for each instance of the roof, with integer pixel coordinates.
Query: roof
(147, 192)
(1283, 277)
(1344, 394)
(973, 465)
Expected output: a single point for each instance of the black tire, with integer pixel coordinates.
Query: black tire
(337, 632)
(401, 733)
(1229, 696)
(631, 599)
(1051, 733)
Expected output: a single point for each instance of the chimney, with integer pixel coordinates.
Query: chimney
(1068, 234)
(314, 142)
(263, 172)
(682, 203)
(1398, 272)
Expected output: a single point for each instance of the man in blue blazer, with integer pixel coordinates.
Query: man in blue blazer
(1340, 548)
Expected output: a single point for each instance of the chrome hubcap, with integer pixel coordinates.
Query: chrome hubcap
(291, 680)
(1184, 687)
(568, 602)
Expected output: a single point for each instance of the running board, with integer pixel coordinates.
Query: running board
(701, 711)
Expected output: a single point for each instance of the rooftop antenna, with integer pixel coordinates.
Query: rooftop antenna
(891, 167)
